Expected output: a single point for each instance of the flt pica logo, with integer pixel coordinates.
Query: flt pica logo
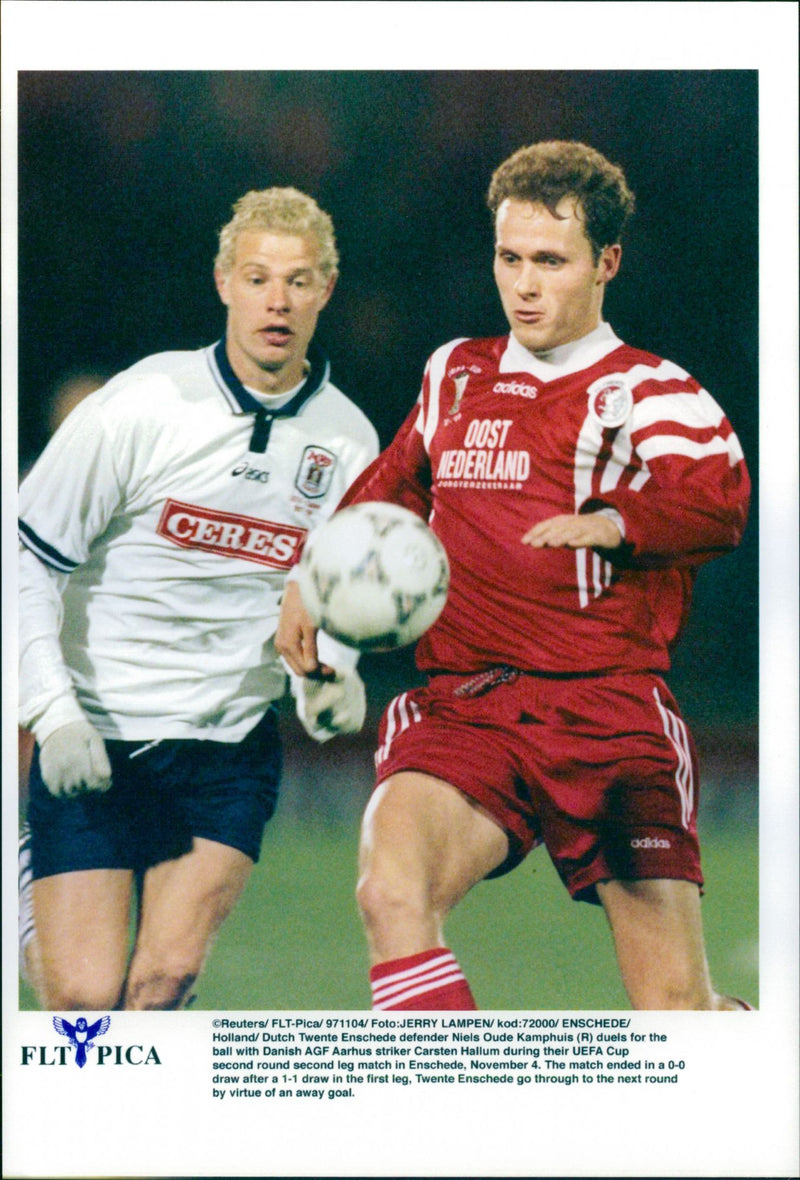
(81, 1034)
(80, 1043)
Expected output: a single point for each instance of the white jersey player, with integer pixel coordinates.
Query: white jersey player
(157, 531)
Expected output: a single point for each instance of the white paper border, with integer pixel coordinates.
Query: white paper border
(169, 1126)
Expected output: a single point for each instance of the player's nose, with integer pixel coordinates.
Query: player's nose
(276, 294)
(527, 280)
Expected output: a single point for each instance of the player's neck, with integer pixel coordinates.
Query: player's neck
(275, 400)
(268, 385)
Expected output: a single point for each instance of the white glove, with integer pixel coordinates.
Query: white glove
(329, 707)
(73, 759)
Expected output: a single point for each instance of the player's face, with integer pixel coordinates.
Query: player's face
(274, 294)
(550, 286)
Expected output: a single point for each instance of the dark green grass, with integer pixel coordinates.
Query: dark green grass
(295, 941)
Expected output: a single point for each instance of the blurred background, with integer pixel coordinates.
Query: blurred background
(124, 181)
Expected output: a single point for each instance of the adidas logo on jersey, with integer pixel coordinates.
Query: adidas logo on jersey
(650, 842)
(518, 388)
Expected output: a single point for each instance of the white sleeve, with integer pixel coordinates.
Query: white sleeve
(72, 491)
(335, 654)
(46, 694)
(65, 501)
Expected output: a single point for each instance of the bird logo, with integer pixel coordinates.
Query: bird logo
(81, 1034)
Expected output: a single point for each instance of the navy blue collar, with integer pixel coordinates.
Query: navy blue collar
(243, 402)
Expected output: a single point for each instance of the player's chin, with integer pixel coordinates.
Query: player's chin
(532, 338)
(271, 364)
(273, 356)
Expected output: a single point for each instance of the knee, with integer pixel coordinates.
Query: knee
(376, 896)
(78, 991)
(386, 893)
(162, 984)
(686, 995)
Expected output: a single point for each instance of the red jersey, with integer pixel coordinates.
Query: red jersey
(501, 439)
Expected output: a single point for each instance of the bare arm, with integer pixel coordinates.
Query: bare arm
(296, 636)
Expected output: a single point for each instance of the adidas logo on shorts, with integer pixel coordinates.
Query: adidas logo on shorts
(650, 842)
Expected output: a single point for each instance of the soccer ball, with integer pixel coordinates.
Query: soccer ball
(374, 576)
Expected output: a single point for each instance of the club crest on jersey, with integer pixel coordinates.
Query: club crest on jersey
(315, 472)
(460, 380)
(610, 403)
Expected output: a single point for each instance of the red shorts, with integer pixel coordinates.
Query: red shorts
(602, 769)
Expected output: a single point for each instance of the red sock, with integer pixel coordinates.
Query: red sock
(428, 982)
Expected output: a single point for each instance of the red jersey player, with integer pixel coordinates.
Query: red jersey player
(577, 484)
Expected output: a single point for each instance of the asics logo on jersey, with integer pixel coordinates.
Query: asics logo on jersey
(231, 535)
(251, 473)
(650, 842)
(518, 388)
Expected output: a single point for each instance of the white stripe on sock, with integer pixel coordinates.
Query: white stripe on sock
(382, 992)
(403, 996)
(425, 977)
(412, 974)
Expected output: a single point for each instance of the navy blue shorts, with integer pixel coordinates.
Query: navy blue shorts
(160, 799)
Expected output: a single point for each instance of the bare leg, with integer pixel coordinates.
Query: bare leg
(183, 904)
(658, 935)
(423, 846)
(81, 941)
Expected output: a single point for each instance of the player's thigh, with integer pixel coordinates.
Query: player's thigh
(418, 828)
(658, 935)
(82, 931)
(184, 901)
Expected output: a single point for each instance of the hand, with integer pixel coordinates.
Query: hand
(330, 705)
(74, 760)
(592, 530)
(296, 636)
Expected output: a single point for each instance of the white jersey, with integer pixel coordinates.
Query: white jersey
(174, 504)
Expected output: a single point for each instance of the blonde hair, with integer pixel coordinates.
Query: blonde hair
(282, 211)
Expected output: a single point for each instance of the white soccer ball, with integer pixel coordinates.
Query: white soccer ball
(374, 576)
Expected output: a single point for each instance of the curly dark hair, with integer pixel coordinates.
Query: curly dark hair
(545, 172)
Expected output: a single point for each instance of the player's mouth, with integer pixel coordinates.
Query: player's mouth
(529, 317)
(277, 335)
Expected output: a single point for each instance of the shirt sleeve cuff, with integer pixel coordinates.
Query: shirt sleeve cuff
(337, 655)
(63, 711)
(614, 516)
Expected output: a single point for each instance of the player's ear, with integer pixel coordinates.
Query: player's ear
(329, 285)
(608, 262)
(221, 283)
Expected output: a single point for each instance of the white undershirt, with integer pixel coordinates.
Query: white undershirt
(274, 401)
(564, 358)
